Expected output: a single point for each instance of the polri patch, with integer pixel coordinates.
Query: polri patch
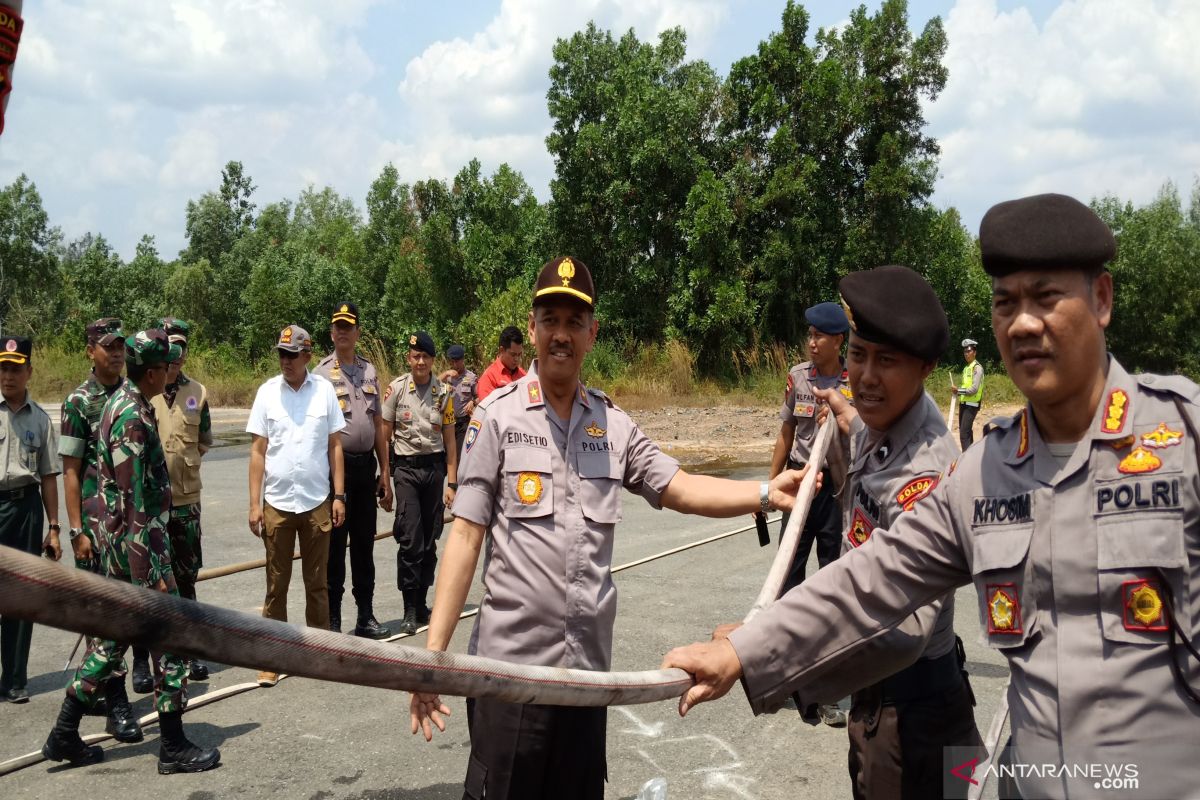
(1004, 609)
(915, 491)
(1142, 606)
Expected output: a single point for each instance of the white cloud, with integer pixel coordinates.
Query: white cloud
(1104, 97)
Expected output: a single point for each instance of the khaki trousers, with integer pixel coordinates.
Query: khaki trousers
(281, 529)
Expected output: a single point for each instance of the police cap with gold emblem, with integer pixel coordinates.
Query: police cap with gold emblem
(895, 306)
(294, 339)
(16, 350)
(345, 311)
(1041, 233)
(423, 342)
(565, 277)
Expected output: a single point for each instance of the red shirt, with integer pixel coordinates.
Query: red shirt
(494, 377)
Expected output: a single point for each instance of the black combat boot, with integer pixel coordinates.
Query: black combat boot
(335, 616)
(424, 612)
(197, 670)
(176, 753)
(143, 680)
(368, 627)
(64, 742)
(121, 723)
(409, 625)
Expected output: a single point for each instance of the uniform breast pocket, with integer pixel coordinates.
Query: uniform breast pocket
(191, 423)
(999, 571)
(343, 398)
(1135, 552)
(600, 487)
(31, 443)
(528, 484)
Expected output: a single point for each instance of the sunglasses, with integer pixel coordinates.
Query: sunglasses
(288, 355)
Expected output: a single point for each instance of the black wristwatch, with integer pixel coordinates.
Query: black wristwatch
(452, 485)
(341, 497)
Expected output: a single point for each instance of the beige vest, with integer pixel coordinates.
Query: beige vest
(179, 429)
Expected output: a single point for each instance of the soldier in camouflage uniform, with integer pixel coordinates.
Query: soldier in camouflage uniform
(134, 548)
(185, 426)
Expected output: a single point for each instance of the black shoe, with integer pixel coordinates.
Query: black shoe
(176, 753)
(143, 680)
(369, 628)
(64, 744)
(335, 616)
(409, 625)
(424, 612)
(121, 722)
(17, 695)
(198, 671)
(832, 716)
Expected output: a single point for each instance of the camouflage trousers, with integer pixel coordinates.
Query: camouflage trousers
(93, 512)
(183, 531)
(106, 659)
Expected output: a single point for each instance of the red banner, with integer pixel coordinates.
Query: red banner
(10, 36)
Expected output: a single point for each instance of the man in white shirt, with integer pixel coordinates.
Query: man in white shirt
(295, 422)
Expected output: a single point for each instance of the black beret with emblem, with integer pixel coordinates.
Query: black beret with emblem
(422, 341)
(565, 277)
(345, 311)
(1041, 233)
(16, 350)
(895, 306)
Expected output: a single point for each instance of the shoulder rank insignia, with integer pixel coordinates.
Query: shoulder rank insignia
(387, 392)
(916, 491)
(846, 393)
(529, 488)
(1115, 413)
(1023, 437)
(1143, 606)
(860, 529)
(535, 392)
(1162, 436)
(1140, 460)
(594, 430)
(1004, 609)
(472, 434)
(342, 404)
(791, 383)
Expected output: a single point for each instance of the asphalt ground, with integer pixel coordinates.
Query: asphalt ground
(314, 739)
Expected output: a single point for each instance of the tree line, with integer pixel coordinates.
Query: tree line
(711, 211)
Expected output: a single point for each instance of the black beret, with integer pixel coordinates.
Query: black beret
(345, 311)
(1043, 232)
(895, 306)
(16, 349)
(565, 276)
(422, 341)
(827, 318)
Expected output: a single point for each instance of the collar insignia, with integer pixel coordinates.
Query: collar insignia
(1114, 415)
(1023, 441)
(535, 392)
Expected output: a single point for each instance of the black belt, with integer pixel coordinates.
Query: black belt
(427, 460)
(12, 495)
(925, 678)
(359, 458)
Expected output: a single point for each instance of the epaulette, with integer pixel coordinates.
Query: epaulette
(1171, 384)
(1002, 423)
(602, 396)
(496, 394)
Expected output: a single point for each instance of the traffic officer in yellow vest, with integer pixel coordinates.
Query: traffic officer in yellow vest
(29, 466)
(185, 428)
(418, 420)
(364, 451)
(970, 394)
(1077, 521)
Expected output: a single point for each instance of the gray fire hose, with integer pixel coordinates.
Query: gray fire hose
(44, 591)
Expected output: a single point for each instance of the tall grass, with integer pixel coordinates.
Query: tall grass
(635, 375)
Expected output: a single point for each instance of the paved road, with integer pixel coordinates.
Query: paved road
(309, 739)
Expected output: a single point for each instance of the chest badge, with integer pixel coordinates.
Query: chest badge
(594, 430)
(1139, 461)
(1004, 609)
(1162, 436)
(529, 488)
(342, 404)
(1114, 415)
(860, 529)
(1143, 606)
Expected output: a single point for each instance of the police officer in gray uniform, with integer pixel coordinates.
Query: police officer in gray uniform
(462, 383)
(900, 449)
(544, 462)
(364, 448)
(418, 421)
(1077, 521)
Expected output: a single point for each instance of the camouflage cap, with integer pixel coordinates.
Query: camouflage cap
(147, 348)
(105, 331)
(294, 339)
(178, 330)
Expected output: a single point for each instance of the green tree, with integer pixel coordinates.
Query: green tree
(28, 260)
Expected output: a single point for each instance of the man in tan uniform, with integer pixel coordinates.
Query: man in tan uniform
(418, 421)
(544, 463)
(1077, 521)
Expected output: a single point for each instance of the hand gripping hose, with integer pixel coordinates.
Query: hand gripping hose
(44, 591)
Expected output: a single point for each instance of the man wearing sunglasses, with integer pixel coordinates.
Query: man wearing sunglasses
(297, 447)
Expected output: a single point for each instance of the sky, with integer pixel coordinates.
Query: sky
(123, 110)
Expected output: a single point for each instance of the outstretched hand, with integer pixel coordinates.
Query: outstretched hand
(714, 665)
(425, 708)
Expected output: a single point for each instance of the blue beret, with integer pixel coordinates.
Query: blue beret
(455, 351)
(827, 318)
